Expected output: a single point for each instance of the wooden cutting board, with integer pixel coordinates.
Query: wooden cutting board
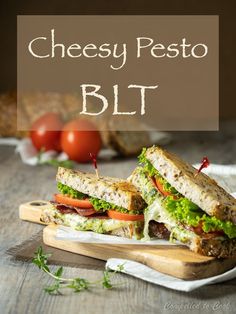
(176, 260)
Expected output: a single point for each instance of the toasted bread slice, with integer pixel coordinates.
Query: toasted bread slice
(210, 245)
(121, 228)
(112, 190)
(200, 189)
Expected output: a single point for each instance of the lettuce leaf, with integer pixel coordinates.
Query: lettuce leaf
(152, 171)
(66, 190)
(212, 223)
(190, 214)
(97, 203)
(147, 166)
(183, 210)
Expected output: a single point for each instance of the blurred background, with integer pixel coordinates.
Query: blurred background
(219, 146)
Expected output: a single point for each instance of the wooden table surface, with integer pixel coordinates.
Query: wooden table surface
(21, 283)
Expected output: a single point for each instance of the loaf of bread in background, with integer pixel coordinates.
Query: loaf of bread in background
(32, 106)
(36, 104)
(8, 116)
(127, 142)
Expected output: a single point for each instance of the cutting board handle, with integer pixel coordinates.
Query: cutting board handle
(32, 211)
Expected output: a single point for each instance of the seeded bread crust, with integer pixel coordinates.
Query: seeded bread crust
(220, 247)
(112, 190)
(206, 244)
(52, 216)
(200, 189)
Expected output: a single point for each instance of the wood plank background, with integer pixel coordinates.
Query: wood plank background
(21, 283)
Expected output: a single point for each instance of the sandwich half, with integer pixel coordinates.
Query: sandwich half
(103, 205)
(185, 205)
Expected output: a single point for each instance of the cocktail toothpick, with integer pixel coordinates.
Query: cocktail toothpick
(94, 160)
(204, 164)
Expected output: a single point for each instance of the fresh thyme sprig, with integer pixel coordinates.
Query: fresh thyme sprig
(76, 284)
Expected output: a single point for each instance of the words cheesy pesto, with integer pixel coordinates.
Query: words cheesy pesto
(118, 52)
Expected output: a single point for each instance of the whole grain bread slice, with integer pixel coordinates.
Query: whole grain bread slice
(200, 189)
(129, 229)
(209, 245)
(113, 190)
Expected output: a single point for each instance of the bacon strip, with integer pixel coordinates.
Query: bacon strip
(67, 209)
(199, 231)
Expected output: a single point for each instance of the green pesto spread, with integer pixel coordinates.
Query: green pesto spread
(106, 226)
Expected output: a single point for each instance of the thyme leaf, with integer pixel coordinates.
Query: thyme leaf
(76, 284)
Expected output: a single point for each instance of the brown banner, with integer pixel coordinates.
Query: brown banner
(122, 72)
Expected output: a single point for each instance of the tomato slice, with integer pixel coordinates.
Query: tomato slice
(123, 216)
(63, 199)
(161, 188)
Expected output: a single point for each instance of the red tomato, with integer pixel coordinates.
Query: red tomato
(66, 200)
(161, 188)
(46, 131)
(80, 138)
(124, 216)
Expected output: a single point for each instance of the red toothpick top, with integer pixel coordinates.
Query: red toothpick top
(204, 164)
(94, 160)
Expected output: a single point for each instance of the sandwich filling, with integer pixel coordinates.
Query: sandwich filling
(176, 209)
(97, 204)
(83, 212)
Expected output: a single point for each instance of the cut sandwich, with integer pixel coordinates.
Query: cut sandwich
(103, 205)
(185, 205)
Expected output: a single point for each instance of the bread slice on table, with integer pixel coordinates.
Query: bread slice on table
(200, 189)
(112, 190)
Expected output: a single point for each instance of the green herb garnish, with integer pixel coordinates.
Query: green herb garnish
(76, 284)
